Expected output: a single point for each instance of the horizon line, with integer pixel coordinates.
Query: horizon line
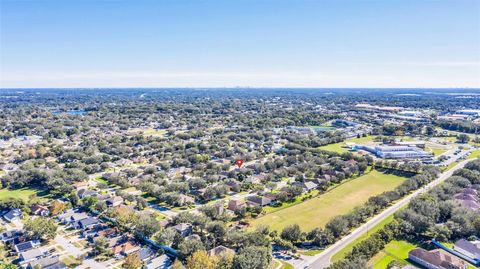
(242, 87)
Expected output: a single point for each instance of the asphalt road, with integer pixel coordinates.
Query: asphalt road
(322, 260)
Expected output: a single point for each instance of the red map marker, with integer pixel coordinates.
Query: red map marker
(239, 163)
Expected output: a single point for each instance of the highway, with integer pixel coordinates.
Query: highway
(322, 260)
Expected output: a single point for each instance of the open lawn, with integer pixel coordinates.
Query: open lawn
(474, 154)
(395, 250)
(23, 193)
(316, 212)
(339, 147)
(154, 132)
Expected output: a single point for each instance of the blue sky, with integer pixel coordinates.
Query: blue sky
(264, 43)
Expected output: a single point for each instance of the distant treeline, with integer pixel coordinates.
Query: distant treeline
(460, 126)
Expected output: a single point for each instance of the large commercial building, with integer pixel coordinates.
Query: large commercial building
(395, 152)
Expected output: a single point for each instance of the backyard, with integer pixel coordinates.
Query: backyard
(23, 193)
(316, 212)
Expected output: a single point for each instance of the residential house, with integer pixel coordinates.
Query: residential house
(255, 179)
(272, 196)
(13, 215)
(93, 231)
(235, 204)
(221, 250)
(145, 254)
(65, 217)
(82, 185)
(126, 248)
(351, 163)
(436, 259)
(75, 218)
(193, 237)
(86, 223)
(114, 201)
(468, 199)
(33, 254)
(256, 200)
(185, 229)
(233, 185)
(51, 262)
(306, 185)
(100, 231)
(40, 210)
(185, 200)
(10, 236)
(468, 249)
(24, 246)
(115, 240)
(83, 193)
(164, 223)
(160, 262)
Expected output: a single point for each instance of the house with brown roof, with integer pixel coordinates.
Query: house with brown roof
(235, 204)
(40, 210)
(436, 259)
(126, 248)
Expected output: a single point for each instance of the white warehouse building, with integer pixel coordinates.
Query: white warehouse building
(395, 152)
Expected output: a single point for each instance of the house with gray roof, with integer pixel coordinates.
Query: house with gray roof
(306, 186)
(13, 215)
(32, 254)
(51, 262)
(256, 200)
(185, 229)
(468, 249)
(160, 262)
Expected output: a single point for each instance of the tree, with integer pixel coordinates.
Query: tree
(146, 225)
(252, 257)
(41, 228)
(132, 261)
(291, 233)
(463, 138)
(200, 260)
(338, 226)
(225, 261)
(57, 207)
(187, 247)
(100, 246)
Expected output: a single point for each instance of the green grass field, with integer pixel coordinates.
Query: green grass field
(154, 132)
(395, 250)
(23, 193)
(474, 154)
(436, 151)
(338, 147)
(317, 211)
